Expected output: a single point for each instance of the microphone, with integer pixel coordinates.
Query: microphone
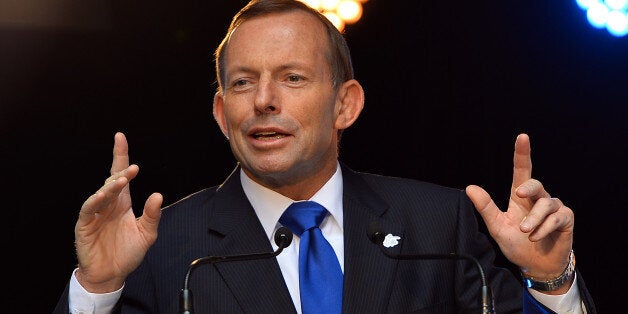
(283, 238)
(376, 235)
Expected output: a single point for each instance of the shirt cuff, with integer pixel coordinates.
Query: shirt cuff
(83, 302)
(569, 302)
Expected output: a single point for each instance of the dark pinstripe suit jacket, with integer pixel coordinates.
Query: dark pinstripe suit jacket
(221, 221)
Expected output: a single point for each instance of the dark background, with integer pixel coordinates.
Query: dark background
(448, 88)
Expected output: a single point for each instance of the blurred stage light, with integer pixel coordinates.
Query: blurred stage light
(609, 14)
(339, 12)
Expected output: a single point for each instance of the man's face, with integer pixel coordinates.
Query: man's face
(278, 106)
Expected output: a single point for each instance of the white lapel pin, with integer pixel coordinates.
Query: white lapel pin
(391, 240)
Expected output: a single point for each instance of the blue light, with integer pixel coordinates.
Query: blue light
(609, 14)
(616, 4)
(617, 23)
(585, 4)
(597, 14)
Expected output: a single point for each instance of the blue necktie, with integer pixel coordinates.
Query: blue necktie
(320, 276)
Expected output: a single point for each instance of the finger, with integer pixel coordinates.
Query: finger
(483, 203)
(130, 173)
(522, 161)
(120, 153)
(532, 189)
(149, 221)
(104, 196)
(562, 220)
(110, 191)
(542, 209)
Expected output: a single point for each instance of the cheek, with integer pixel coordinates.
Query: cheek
(233, 116)
(321, 123)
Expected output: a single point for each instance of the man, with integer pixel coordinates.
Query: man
(286, 92)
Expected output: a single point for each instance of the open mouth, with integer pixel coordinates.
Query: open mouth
(265, 136)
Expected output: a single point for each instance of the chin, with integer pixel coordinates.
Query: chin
(267, 168)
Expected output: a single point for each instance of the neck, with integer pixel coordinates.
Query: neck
(297, 187)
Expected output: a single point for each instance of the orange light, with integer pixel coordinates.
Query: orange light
(316, 4)
(349, 11)
(329, 5)
(339, 12)
(336, 20)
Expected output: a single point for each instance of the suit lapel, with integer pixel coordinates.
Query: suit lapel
(369, 274)
(258, 285)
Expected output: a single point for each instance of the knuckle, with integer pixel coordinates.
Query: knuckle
(546, 204)
(534, 182)
(554, 220)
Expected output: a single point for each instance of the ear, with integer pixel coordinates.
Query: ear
(219, 114)
(349, 104)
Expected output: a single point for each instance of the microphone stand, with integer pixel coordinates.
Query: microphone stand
(283, 238)
(377, 236)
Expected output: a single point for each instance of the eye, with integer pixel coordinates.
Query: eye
(294, 78)
(240, 85)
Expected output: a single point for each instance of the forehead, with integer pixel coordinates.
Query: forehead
(295, 34)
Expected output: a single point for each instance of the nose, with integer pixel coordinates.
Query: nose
(266, 101)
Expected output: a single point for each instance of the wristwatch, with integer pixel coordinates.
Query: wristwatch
(552, 284)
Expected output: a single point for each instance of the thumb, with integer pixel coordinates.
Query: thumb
(149, 221)
(483, 203)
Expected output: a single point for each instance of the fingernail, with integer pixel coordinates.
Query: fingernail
(523, 189)
(524, 224)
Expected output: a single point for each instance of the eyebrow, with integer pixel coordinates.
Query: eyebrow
(290, 65)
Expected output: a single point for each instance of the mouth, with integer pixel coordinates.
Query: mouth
(268, 135)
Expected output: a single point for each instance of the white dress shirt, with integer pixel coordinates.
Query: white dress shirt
(268, 206)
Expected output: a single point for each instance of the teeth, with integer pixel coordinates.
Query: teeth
(269, 135)
(265, 133)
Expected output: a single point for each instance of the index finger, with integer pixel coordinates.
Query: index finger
(120, 153)
(522, 161)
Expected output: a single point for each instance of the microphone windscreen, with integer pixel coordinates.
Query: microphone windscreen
(375, 232)
(283, 237)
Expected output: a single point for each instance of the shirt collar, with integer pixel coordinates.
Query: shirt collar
(269, 205)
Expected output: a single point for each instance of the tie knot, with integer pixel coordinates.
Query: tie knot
(302, 216)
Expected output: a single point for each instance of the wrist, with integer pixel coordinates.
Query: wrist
(552, 284)
(96, 287)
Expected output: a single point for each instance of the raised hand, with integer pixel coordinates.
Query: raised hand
(536, 231)
(110, 241)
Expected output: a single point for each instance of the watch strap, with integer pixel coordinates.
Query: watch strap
(552, 284)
